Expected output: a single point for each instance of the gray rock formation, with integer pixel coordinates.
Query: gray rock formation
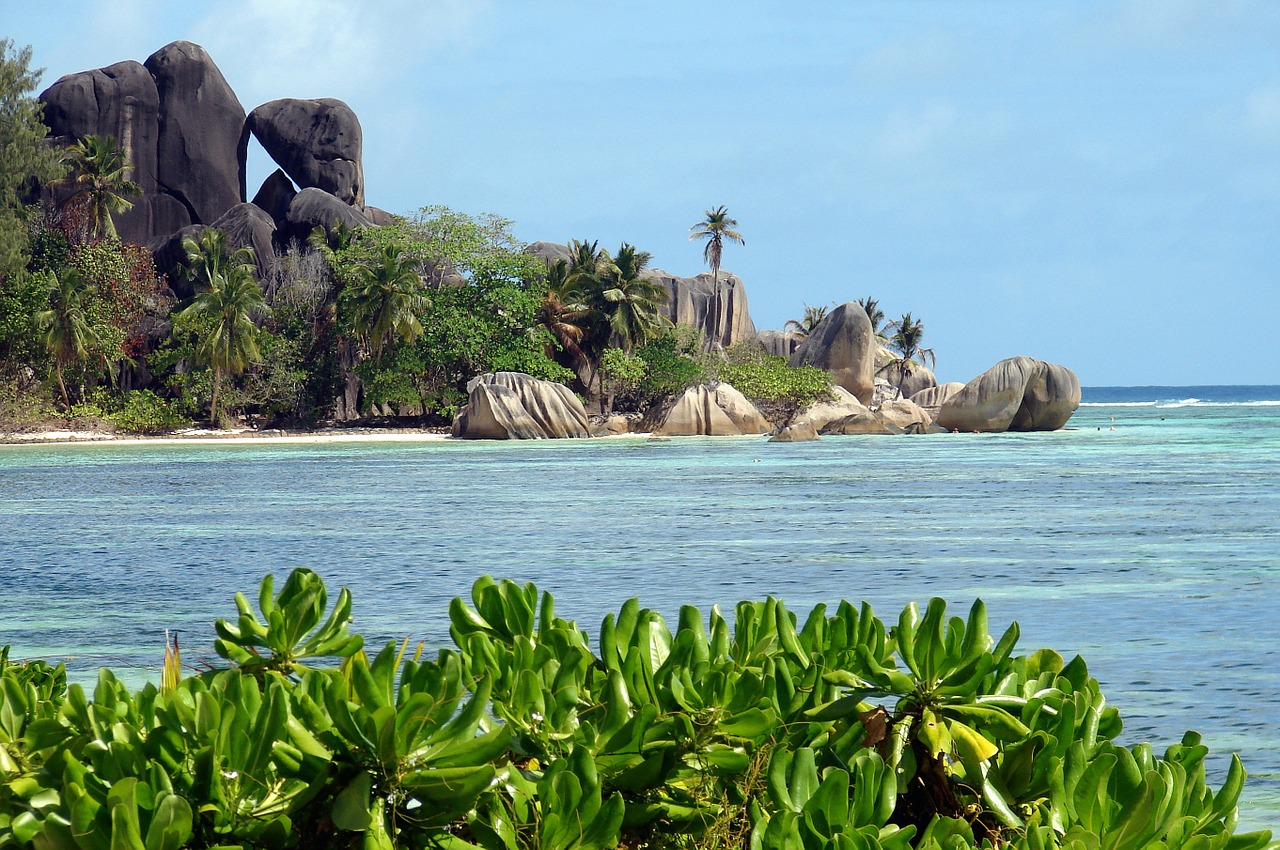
(842, 404)
(779, 343)
(843, 345)
(120, 101)
(515, 406)
(170, 258)
(200, 122)
(860, 423)
(312, 208)
(317, 143)
(548, 251)
(247, 226)
(708, 410)
(1017, 394)
(916, 379)
(377, 216)
(903, 414)
(275, 195)
(719, 311)
(931, 399)
(797, 432)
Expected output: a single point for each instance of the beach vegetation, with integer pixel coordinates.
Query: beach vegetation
(906, 343)
(97, 187)
(144, 412)
(813, 317)
(763, 729)
(778, 389)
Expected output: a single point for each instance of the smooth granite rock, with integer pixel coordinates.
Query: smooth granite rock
(170, 258)
(917, 378)
(708, 410)
(843, 403)
(796, 432)
(200, 124)
(275, 195)
(843, 345)
(247, 226)
(903, 414)
(1017, 394)
(317, 142)
(515, 406)
(779, 343)
(718, 310)
(312, 208)
(860, 423)
(932, 398)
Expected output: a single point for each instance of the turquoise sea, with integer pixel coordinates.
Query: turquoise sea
(1152, 549)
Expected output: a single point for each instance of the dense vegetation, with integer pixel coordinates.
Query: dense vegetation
(838, 733)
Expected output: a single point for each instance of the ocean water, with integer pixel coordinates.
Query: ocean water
(1144, 537)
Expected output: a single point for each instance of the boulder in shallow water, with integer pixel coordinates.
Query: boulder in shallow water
(903, 414)
(844, 345)
(1017, 394)
(515, 406)
(931, 399)
(860, 423)
(796, 432)
(841, 404)
(708, 410)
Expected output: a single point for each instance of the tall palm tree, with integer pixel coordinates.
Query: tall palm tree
(229, 342)
(813, 317)
(631, 302)
(908, 334)
(871, 307)
(386, 300)
(715, 228)
(65, 326)
(209, 259)
(100, 182)
(558, 316)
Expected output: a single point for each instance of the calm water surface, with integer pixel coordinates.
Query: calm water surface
(1153, 549)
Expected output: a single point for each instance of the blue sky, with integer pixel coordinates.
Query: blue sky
(1091, 183)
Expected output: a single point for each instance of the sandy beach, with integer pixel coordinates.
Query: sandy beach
(207, 435)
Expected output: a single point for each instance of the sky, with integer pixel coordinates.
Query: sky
(1092, 183)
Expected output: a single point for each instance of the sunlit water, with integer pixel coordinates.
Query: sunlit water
(1151, 549)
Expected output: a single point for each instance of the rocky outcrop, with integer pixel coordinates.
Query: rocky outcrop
(1017, 394)
(779, 343)
(903, 414)
(931, 399)
(860, 423)
(312, 208)
(797, 432)
(200, 122)
(247, 226)
(915, 379)
(275, 195)
(842, 403)
(709, 410)
(844, 345)
(171, 258)
(316, 142)
(719, 310)
(120, 101)
(515, 406)
(549, 252)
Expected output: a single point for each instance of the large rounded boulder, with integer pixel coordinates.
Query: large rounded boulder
(1017, 394)
(312, 208)
(247, 226)
(841, 404)
(844, 345)
(717, 305)
(708, 410)
(516, 406)
(200, 123)
(931, 399)
(317, 142)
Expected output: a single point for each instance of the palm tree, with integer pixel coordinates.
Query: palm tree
(65, 327)
(100, 182)
(386, 301)
(908, 333)
(209, 259)
(871, 307)
(229, 342)
(813, 317)
(631, 302)
(715, 228)
(559, 318)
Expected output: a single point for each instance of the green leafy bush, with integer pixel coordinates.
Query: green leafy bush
(836, 733)
(144, 412)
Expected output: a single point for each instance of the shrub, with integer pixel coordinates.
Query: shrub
(833, 733)
(144, 412)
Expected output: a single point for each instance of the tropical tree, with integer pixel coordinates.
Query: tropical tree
(386, 300)
(908, 333)
(715, 228)
(224, 318)
(813, 317)
(100, 183)
(561, 320)
(210, 259)
(871, 307)
(631, 302)
(65, 327)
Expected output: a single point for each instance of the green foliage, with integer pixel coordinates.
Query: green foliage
(769, 381)
(24, 158)
(836, 732)
(673, 362)
(144, 412)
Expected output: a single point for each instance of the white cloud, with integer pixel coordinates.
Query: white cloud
(329, 48)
